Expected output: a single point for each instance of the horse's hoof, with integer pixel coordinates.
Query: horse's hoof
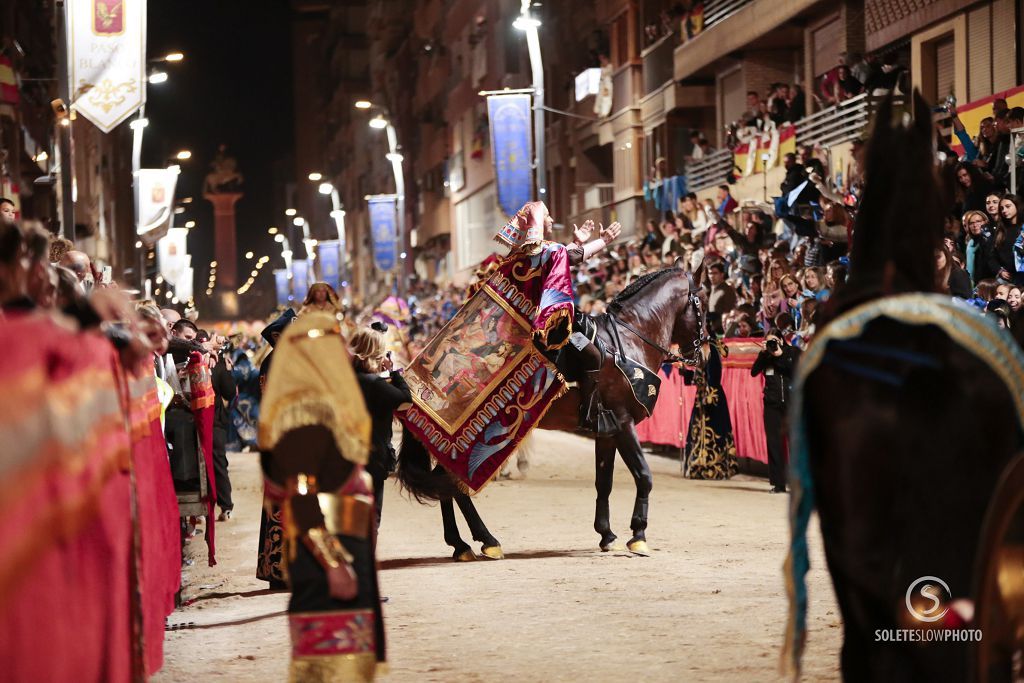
(492, 552)
(465, 556)
(639, 547)
(612, 546)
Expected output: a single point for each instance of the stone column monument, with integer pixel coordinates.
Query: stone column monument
(223, 189)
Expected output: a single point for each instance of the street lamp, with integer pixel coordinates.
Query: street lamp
(158, 77)
(290, 212)
(529, 24)
(378, 122)
(183, 155)
(314, 176)
(174, 57)
(363, 104)
(338, 214)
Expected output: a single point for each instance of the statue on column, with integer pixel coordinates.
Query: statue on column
(223, 176)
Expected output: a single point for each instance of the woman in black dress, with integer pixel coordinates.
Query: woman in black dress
(384, 390)
(268, 554)
(710, 447)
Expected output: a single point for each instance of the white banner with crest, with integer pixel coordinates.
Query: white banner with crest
(107, 59)
(172, 252)
(156, 200)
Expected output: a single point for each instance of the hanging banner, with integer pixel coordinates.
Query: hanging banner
(382, 227)
(300, 279)
(156, 200)
(172, 255)
(510, 149)
(329, 255)
(283, 286)
(107, 59)
(183, 287)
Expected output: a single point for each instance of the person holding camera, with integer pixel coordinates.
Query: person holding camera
(384, 390)
(776, 362)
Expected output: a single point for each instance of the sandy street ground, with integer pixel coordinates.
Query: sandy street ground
(708, 605)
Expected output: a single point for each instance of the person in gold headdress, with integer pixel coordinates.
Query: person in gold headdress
(314, 440)
(321, 297)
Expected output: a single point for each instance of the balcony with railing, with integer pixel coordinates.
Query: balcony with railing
(709, 171)
(835, 125)
(730, 26)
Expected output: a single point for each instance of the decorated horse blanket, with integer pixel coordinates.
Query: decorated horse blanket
(481, 384)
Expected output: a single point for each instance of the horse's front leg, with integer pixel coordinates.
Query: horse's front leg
(490, 547)
(604, 461)
(633, 455)
(462, 553)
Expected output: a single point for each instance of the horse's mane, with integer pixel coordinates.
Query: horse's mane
(899, 223)
(636, 285)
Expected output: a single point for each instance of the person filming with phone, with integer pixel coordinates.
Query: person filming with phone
(776, 362)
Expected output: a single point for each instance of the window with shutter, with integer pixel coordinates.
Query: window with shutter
(945, 75)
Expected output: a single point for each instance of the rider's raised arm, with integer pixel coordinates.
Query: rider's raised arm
(608, 235)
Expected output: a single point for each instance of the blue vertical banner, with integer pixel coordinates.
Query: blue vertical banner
(382, 228)
(300, 279)
(511, 135)
(283, 286)
(328, 256)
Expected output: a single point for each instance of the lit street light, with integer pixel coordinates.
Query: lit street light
(527, 23)
(326, 188)
(363, 104)
(174, 57)
(183, 155)
(272, 230)
(314, 176)
(290, 212)
(158, 77)
(249, 254)
(298, 220)
(378, 122)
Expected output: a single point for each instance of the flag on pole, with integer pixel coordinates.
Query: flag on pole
(511, 132)
(300, 278)
(156, 201)
(107, 59)
(329, 254)
(283, 286)
(382, 227)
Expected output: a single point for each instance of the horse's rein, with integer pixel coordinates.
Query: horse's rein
(697, 356)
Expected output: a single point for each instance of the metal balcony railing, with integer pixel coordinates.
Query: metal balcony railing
(709, 171)
(839, 123)
(717, 11)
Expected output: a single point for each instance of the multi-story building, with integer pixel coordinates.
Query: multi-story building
(667, 70)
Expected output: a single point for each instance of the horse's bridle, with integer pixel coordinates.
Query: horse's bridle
(696, 357)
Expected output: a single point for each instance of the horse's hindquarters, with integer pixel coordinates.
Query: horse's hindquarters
(903, 473)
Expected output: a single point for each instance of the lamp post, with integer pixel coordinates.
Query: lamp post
(529, 24)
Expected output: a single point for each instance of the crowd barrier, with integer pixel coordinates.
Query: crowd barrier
(90, 555)
(669, 423)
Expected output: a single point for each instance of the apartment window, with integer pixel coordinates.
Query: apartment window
(939, 60)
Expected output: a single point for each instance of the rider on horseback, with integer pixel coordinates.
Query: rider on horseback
(525, 234)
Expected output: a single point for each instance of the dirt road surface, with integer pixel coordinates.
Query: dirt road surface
(708, 605)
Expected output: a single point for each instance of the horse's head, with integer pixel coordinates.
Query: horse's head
(690, 327)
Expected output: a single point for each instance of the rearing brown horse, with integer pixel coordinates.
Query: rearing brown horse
(658, 310)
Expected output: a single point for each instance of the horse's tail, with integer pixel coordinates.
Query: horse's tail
(415, 473)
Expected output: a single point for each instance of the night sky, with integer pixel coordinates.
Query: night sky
(233, 87)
